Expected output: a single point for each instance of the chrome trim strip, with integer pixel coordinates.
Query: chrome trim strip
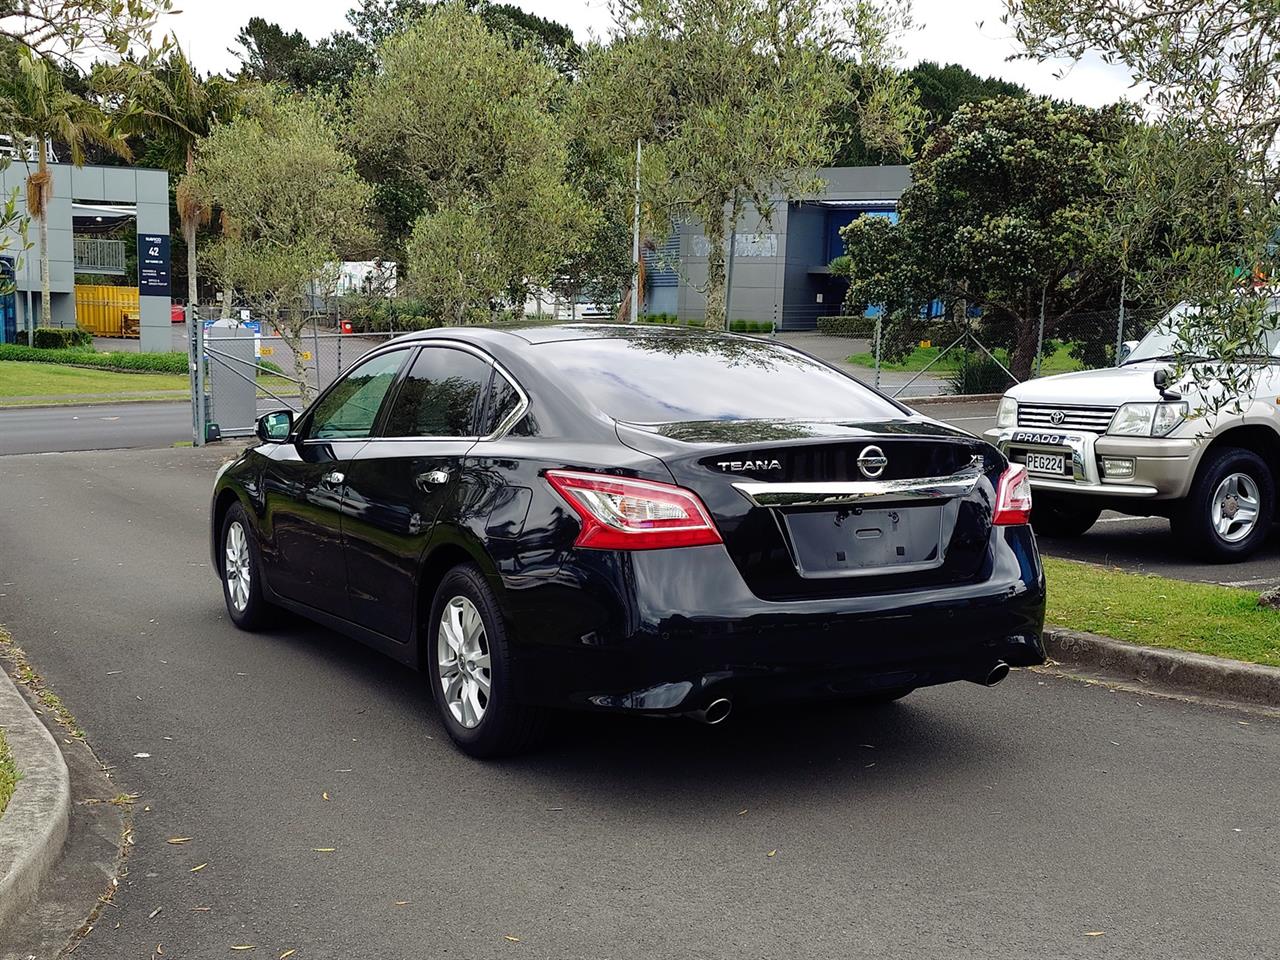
(959, 484)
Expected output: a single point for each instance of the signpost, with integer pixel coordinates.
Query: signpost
(153, 265)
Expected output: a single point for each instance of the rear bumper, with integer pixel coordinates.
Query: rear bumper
(667, 631)
(1163, 468)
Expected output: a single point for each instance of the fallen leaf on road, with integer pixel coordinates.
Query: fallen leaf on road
(402, 903)
(323, 849)
(201, 909)
(742, 813)
(772, 853)
(287, 953)
(325, 795)
(1095, 933)
(154, 912)
(141, 756)
(198, 867)
(112, 673)
(244, 946)
(178, 840)
(512, 939)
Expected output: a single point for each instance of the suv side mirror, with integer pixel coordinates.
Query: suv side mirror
(1161, 379)
(275, 427)
(1126, 348)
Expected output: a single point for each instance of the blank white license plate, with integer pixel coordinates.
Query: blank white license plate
(1055, 463)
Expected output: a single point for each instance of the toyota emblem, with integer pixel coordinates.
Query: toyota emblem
(872, 461)
(1057, 417)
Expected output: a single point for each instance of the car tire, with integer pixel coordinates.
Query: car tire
(240, 570)
(1229, 482)
(470, 667)
(1062, 517)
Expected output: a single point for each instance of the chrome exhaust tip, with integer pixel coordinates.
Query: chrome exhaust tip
(717, 711)
(994, 675)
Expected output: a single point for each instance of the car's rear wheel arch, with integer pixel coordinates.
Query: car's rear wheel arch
(436, 564)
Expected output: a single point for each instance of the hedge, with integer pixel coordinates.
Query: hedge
(847, 326)
(125, 362)
(61, 338)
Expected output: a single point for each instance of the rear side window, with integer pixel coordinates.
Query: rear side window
(643, 378)
(440, 396)
(504, 399)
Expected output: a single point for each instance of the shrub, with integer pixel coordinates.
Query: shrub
(124, 362)
(978, 373)
(862, 327)
(61, 338)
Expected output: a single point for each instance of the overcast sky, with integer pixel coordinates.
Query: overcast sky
(968, 32)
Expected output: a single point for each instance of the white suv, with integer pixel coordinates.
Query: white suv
(1126, 439)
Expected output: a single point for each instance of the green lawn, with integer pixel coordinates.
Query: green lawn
(1060, 361)
(24, 383)
(9, 775)
(56, 383)
(1199, 617)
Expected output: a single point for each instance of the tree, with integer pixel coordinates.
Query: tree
(455, 125)
(173, 108)
(270, 55)
(64, 29)
(1003, 214)
(38, 110)
(941, 90)
(1208, 72)
(733, 102)
(292, 207)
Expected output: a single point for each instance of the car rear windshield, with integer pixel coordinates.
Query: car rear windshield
(646, 378)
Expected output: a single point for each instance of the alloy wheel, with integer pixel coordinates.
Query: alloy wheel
(236, 566)
(462, 655)
(1235, 507)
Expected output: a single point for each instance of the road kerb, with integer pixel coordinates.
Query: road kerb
(1197, 673)
(34, 825)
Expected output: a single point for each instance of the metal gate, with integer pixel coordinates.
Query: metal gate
(241, 368)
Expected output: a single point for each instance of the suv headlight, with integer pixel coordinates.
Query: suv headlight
(1147, 419)
(1007, 412)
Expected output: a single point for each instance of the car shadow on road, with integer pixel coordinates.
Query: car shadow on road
(934, 734)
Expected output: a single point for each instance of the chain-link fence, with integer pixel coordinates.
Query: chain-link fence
(946, 357)
(242, 367)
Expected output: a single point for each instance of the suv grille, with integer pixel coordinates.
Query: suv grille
(1054, 416)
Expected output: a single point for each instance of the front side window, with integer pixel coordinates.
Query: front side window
(349, 410)
(440, 396)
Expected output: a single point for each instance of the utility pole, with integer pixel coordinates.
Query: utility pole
(635, 248)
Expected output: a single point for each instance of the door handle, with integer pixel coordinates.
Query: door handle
(334, 478)
(433, 478)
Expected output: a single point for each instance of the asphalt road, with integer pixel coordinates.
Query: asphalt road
(1041, 818)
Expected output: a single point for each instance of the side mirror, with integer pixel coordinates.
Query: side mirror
(1126, 348)
(275, 427)
(1161, 379)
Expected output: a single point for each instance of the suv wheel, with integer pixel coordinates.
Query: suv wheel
(468, 659)
(1232, 504)
(1062, 516)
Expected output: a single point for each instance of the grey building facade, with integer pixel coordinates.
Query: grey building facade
(780, 255)
(79, 194)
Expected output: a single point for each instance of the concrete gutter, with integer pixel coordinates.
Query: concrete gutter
(1196, 673)
(949, 398)
(34, 825)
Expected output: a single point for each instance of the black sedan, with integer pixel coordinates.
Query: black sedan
(646, 520)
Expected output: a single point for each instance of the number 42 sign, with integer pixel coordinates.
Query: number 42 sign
(153, 265)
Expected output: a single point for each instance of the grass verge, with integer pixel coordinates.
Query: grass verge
(24, 380)
(1158, 612)
(22, 672)
(9, 775)
(1060, 361)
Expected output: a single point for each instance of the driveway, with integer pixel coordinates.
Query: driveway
(1042, 818)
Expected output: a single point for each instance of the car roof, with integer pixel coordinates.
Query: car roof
(535, 333)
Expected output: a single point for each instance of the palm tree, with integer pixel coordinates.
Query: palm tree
(174, 109)
(38, 110)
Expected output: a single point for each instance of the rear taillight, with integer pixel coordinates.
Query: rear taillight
(1013, 497)
(619, 513)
